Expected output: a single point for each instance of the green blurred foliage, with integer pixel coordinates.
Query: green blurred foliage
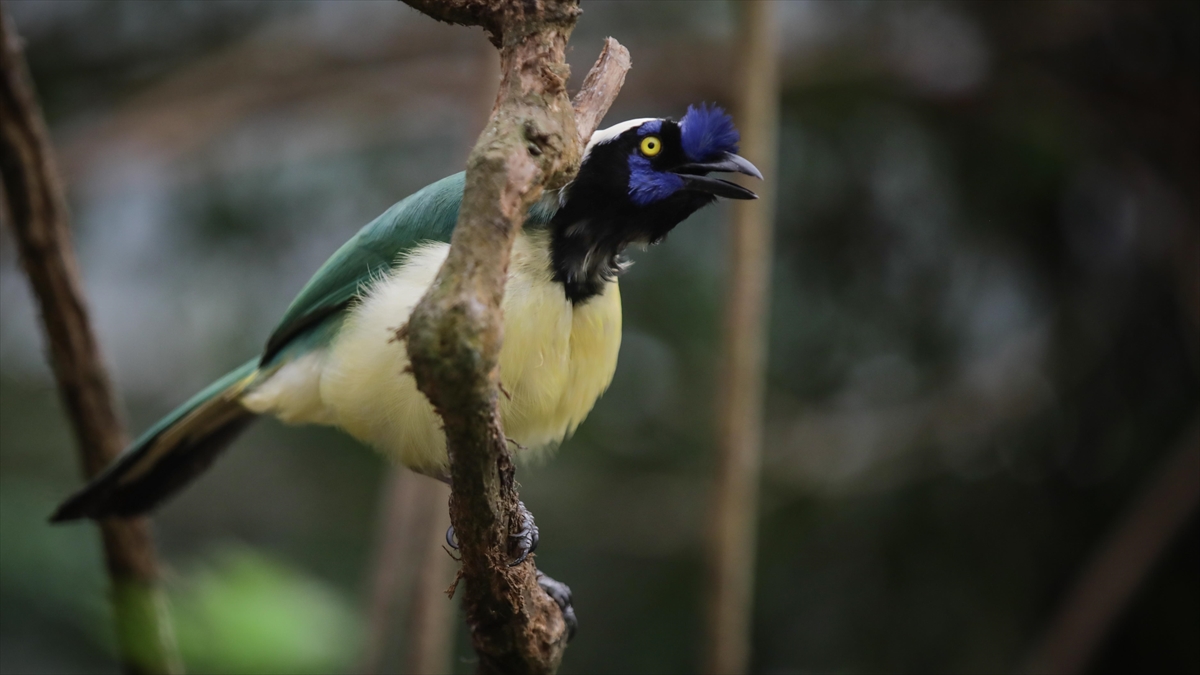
(246, 613)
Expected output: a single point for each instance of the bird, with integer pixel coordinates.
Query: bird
(333, 358)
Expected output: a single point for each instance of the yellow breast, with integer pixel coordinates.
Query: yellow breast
(555, 362)
(557, 358)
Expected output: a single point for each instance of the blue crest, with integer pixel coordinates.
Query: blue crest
(707, 132)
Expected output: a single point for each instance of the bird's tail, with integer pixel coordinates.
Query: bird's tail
(169, 455)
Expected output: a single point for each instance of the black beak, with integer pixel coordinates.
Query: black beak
(694, 177)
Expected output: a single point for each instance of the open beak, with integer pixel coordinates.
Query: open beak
(694, 178)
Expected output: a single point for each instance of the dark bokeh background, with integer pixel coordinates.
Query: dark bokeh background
(983, 332)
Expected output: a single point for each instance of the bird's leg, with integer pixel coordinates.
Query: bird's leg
(521, 543)
(524, 540)
(561, 594)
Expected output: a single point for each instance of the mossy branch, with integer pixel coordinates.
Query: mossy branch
(532, 142)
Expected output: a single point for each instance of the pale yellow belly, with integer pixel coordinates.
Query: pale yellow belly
(555, 362)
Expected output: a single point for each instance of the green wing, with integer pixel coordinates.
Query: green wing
(427, 215)
(171, 453)
(430, 214)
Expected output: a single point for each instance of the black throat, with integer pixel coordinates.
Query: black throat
(583, 258)
(597, 221)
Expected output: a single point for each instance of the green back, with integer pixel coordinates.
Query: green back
(427, 215)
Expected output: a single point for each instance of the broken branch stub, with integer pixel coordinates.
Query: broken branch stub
(600, 88)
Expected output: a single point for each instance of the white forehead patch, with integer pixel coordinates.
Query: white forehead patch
(609, 134)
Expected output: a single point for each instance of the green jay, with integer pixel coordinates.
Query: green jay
(331, 359)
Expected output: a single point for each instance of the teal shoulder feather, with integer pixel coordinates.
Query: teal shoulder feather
(427, 215)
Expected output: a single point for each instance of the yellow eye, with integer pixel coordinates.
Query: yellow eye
(651, 146)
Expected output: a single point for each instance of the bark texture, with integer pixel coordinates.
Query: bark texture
(600, 88)
(530, 143)
(35, 208)
(733, 520)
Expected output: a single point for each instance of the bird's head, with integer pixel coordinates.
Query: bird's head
(638, 180)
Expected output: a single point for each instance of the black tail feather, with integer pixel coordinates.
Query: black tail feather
(169, 455)
(114, 494)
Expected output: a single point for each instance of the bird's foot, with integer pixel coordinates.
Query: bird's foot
(561, 594)
(521, 543)
(525, 540)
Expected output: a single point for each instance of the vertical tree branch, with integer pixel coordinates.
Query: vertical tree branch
(35, 208)
(734, 515)
(409, 561)
(530, 143)
(403, 517)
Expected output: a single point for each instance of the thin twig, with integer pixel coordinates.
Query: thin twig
(35, 208)
(734, 515)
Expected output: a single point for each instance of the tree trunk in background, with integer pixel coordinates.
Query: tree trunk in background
(734, 516)
(431, 613)
(410, 563)
(36, 210)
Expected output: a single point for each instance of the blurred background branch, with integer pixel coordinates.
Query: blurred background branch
(410, 562)
(432, 624)
(35, 209)
(733, 515)
(1123, 561)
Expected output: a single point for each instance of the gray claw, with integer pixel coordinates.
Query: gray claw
(561, 594)
(525, 540)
